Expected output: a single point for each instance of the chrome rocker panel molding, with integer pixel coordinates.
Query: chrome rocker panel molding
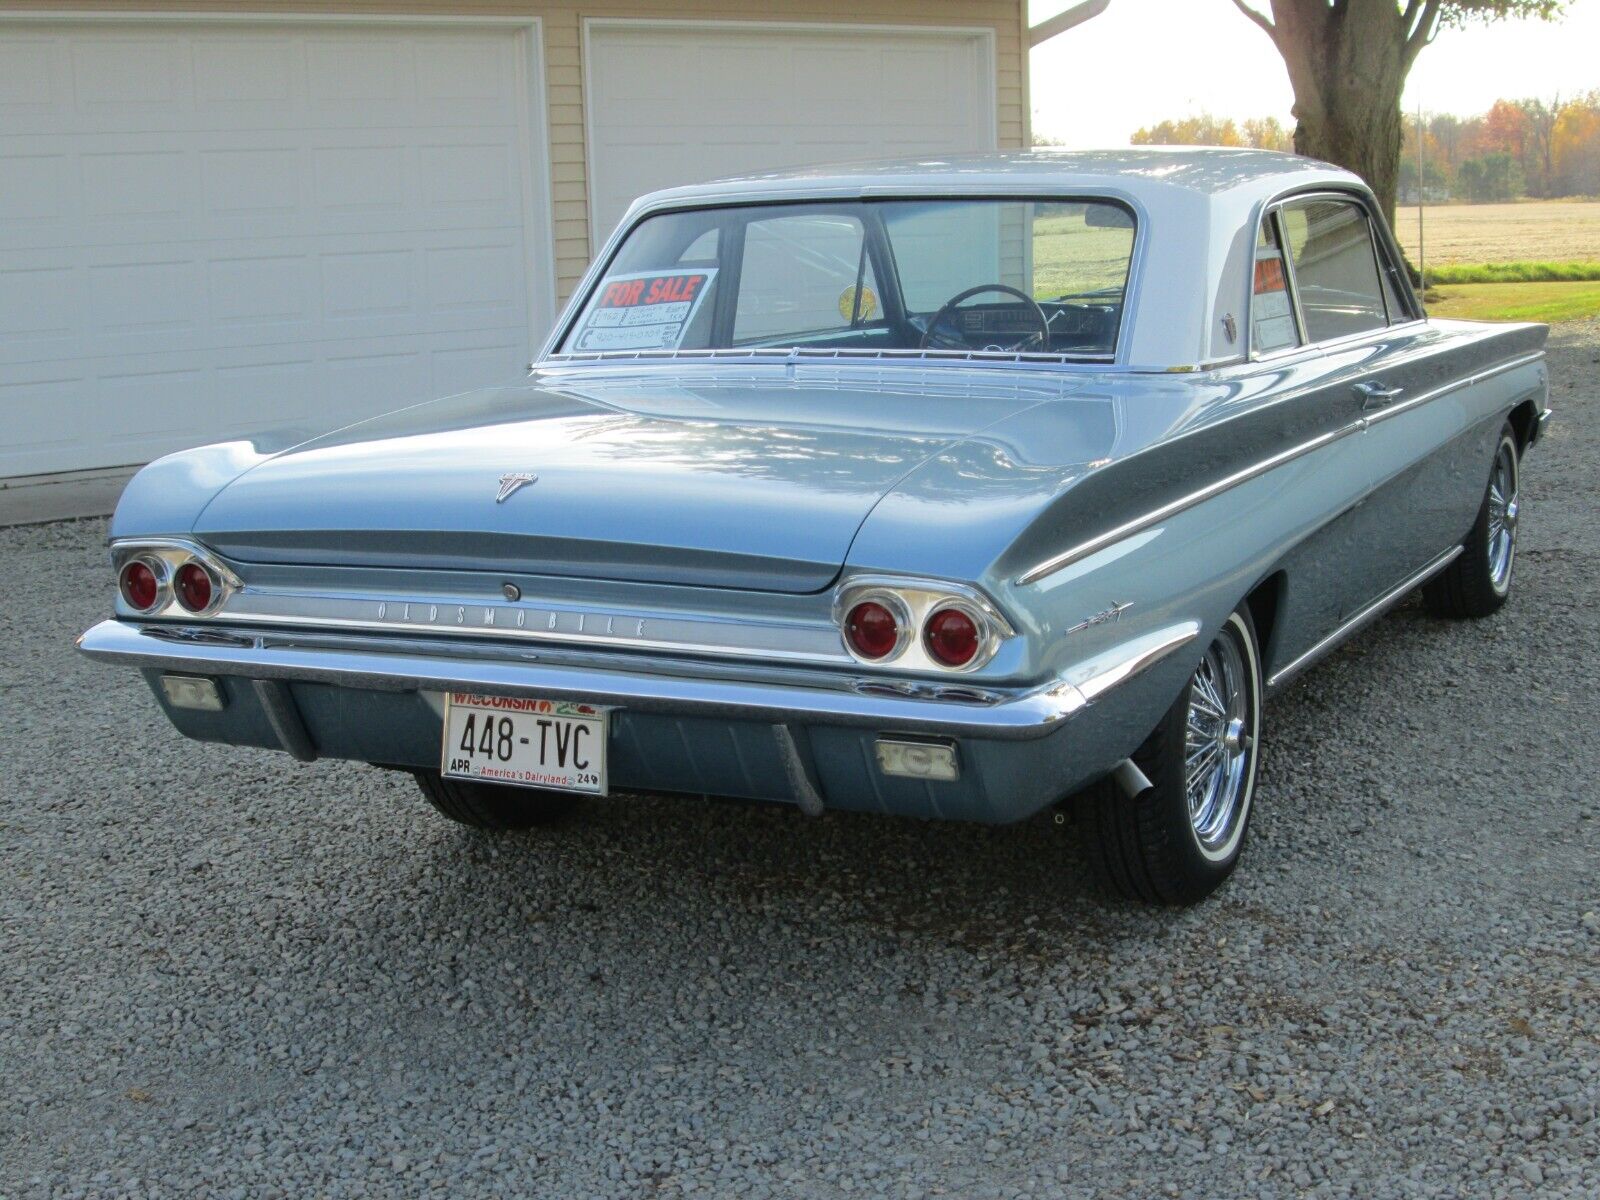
(1364, 617)
(385, 665)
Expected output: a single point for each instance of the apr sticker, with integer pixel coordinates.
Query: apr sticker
(847, 304)
(648, 310)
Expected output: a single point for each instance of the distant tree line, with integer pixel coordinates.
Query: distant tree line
(1518, 148)
(1263, 133)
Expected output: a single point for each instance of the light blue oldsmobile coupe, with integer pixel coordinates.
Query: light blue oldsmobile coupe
(951, 488)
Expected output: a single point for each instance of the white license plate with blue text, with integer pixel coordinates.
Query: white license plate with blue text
(525, 742)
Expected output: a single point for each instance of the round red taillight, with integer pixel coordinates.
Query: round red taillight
(951, 637)
(139, 586)
(872, 629)
(194, 587)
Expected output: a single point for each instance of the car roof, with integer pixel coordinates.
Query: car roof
(1196, 210)
(1199, 170)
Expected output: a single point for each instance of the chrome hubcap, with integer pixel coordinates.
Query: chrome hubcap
(1503, 511)
(1218, 744)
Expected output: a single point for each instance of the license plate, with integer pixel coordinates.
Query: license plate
(555, 744)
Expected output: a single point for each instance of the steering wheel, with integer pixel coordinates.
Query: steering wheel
(933, 337)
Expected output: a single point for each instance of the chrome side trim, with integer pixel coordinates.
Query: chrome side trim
(1171, 509)
(1364, 616)
(375, 664)
(1154, 517)
(1131, 659)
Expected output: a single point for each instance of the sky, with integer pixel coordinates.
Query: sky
(1144, 60)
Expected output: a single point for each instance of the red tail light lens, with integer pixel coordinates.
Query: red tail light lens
(139, 586)
(872, 630)
(951, 637)
(194, 587)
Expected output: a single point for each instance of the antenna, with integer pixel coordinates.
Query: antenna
(1422, 195)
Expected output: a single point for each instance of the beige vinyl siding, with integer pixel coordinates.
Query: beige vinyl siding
(563, 57)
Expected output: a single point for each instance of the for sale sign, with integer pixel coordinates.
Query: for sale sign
(648, 310)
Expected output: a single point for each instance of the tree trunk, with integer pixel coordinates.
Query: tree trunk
(1347, 64)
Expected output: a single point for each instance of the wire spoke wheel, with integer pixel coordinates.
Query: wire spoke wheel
(1503, 510)
(1478, 583)
(1176, 840)
(1218, 743)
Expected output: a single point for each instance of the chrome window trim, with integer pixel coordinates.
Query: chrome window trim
(1171, 509)
(1272, 210)
(602, 261)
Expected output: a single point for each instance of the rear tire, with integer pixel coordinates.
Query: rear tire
(1177, 841)
(1478, 582)
(493, 806)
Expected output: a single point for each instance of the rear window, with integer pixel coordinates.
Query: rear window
(1019, 276)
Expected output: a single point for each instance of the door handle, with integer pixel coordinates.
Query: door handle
(1375, 395)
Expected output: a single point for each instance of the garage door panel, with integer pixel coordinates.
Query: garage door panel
(679, 103)
(253, 224)
(29, 75)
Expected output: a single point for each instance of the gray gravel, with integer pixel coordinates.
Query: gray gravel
(225, 974)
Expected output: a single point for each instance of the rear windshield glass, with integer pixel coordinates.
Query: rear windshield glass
(1016, 276)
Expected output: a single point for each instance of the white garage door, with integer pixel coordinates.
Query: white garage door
(209, 229)
(670, 104)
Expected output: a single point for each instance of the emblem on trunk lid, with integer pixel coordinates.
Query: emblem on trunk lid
(511, 482)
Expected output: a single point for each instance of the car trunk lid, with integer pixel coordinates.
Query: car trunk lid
(737, 484)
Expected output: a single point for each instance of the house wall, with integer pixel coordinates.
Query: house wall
(563, 55)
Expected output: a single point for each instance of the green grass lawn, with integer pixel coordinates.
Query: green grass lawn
(1549, 302)
(1515, 272)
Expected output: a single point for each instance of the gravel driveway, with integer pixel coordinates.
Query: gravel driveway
(225, 973)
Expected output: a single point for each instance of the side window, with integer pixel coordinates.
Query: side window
(799, 277)
(1272, 324)
(1335, 269)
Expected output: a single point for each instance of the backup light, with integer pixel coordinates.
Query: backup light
(192, 692)
(919, 760)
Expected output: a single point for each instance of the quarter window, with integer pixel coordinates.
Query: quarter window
(1335, 268)
(1272, 324)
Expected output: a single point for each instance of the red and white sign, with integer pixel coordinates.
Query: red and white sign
(648, 310)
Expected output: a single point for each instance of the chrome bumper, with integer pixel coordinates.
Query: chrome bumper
(372, 664)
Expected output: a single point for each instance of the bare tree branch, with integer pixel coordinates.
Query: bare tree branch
(1423, 32)
(1260, 19)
